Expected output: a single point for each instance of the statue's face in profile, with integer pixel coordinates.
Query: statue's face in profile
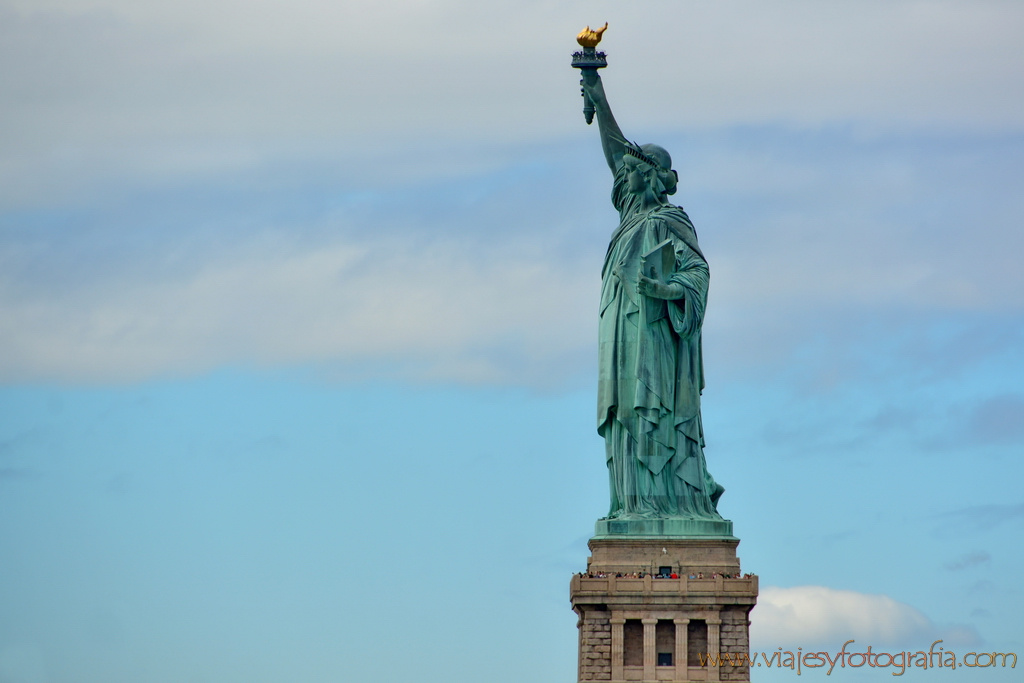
(639, 175)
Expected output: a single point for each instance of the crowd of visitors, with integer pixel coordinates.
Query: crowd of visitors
(673, 575)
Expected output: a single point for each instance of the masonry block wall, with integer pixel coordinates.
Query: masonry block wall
(635, 626)
(595, 646)
(735, 641)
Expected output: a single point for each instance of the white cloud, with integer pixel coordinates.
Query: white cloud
(746, 61)
(804, 616)
(107, 86)
(433, 313)
(493, 277)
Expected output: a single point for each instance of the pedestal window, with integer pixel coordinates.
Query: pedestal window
(665, 642)
(633, 643)
(696, 641)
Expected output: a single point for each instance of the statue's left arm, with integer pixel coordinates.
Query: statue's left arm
(687, 289)
(692, 275)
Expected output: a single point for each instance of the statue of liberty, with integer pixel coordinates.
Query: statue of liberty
(653, 297)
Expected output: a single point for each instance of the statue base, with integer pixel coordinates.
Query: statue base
(636, 623)
(651, 528)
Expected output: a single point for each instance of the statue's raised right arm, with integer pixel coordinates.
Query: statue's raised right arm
(612, 140)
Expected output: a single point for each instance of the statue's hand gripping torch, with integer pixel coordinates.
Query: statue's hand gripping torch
(589, 58)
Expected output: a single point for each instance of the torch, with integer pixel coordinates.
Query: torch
(589, 58)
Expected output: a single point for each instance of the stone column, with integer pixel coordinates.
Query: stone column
(682, 650)
(650, 649)
(617, 649)
(714, 647)
(722, 605)
(579, 646)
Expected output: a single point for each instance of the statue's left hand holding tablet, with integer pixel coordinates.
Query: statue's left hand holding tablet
(659, 290)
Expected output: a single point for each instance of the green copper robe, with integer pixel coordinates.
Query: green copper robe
(651, 371)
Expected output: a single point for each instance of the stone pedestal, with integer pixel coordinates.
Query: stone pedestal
(635, 626)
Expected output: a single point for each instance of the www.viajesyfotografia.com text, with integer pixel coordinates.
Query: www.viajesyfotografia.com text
(899, 661)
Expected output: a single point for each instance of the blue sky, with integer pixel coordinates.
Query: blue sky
(298, 320)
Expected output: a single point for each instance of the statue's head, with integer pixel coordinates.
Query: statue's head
(659, 154)
(650, 167)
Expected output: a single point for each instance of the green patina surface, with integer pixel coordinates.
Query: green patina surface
(651, 371)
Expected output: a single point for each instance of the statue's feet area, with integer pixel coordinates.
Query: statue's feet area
(635, 525)
(632, 515)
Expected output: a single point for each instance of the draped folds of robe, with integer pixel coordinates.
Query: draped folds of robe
(651, 370)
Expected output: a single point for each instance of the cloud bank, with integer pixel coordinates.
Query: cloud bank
(150, 150)
(810, 616)
(820, 239)
(109, 89)
(424, 315)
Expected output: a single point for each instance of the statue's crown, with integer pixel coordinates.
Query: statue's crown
(634, 150)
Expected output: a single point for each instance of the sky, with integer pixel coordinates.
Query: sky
(298, 318)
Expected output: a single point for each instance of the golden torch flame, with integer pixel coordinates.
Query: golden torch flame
(588, 38)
